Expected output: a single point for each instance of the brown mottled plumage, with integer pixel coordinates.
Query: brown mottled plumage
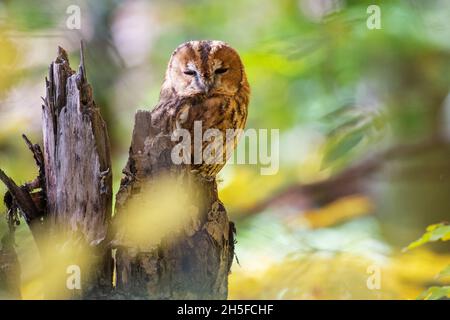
(205, 80)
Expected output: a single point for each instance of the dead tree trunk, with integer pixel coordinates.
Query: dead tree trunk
(78, 174)
(190, 261)
(68, 207)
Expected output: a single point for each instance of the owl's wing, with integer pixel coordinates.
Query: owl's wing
(165, 113)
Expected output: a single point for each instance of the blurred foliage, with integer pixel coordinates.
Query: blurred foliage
(311, 66)
(172, 214)
(8, 63)
(435, 293)
(337, 91)
(281, 260)
(435, 232)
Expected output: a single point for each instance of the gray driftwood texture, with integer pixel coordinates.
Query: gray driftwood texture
(78, 176)
(69, 205)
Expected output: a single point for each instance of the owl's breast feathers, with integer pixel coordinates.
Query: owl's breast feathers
(220, 112)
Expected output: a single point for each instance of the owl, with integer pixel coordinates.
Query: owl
(205, 83)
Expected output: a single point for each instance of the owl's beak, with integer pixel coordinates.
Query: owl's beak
(206, 86)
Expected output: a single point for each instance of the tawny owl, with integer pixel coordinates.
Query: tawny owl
(205, 81)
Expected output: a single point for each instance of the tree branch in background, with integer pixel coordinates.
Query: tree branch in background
(350, 181)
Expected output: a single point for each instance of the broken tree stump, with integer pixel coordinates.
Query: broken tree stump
(191, 260)
(68, 206)
(78, 175)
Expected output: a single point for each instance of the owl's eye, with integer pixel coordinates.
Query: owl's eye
(190, 72)
(221, 70)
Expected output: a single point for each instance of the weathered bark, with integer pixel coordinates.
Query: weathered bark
(78, 177)
(68, 206)
(29, 203)
(192, 262)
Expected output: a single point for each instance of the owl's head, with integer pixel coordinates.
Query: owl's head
(204, 68)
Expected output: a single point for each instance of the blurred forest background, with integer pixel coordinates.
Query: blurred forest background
(364, 120)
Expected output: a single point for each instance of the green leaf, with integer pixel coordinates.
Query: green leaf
(342, 147)
(435, 293)
(435, 232)
(444, 273)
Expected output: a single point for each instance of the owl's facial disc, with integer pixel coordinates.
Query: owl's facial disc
(205, 68)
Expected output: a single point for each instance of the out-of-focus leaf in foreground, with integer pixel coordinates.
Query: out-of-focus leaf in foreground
(444, 273)
(435, 232)
(162, 208)
(435, 293)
